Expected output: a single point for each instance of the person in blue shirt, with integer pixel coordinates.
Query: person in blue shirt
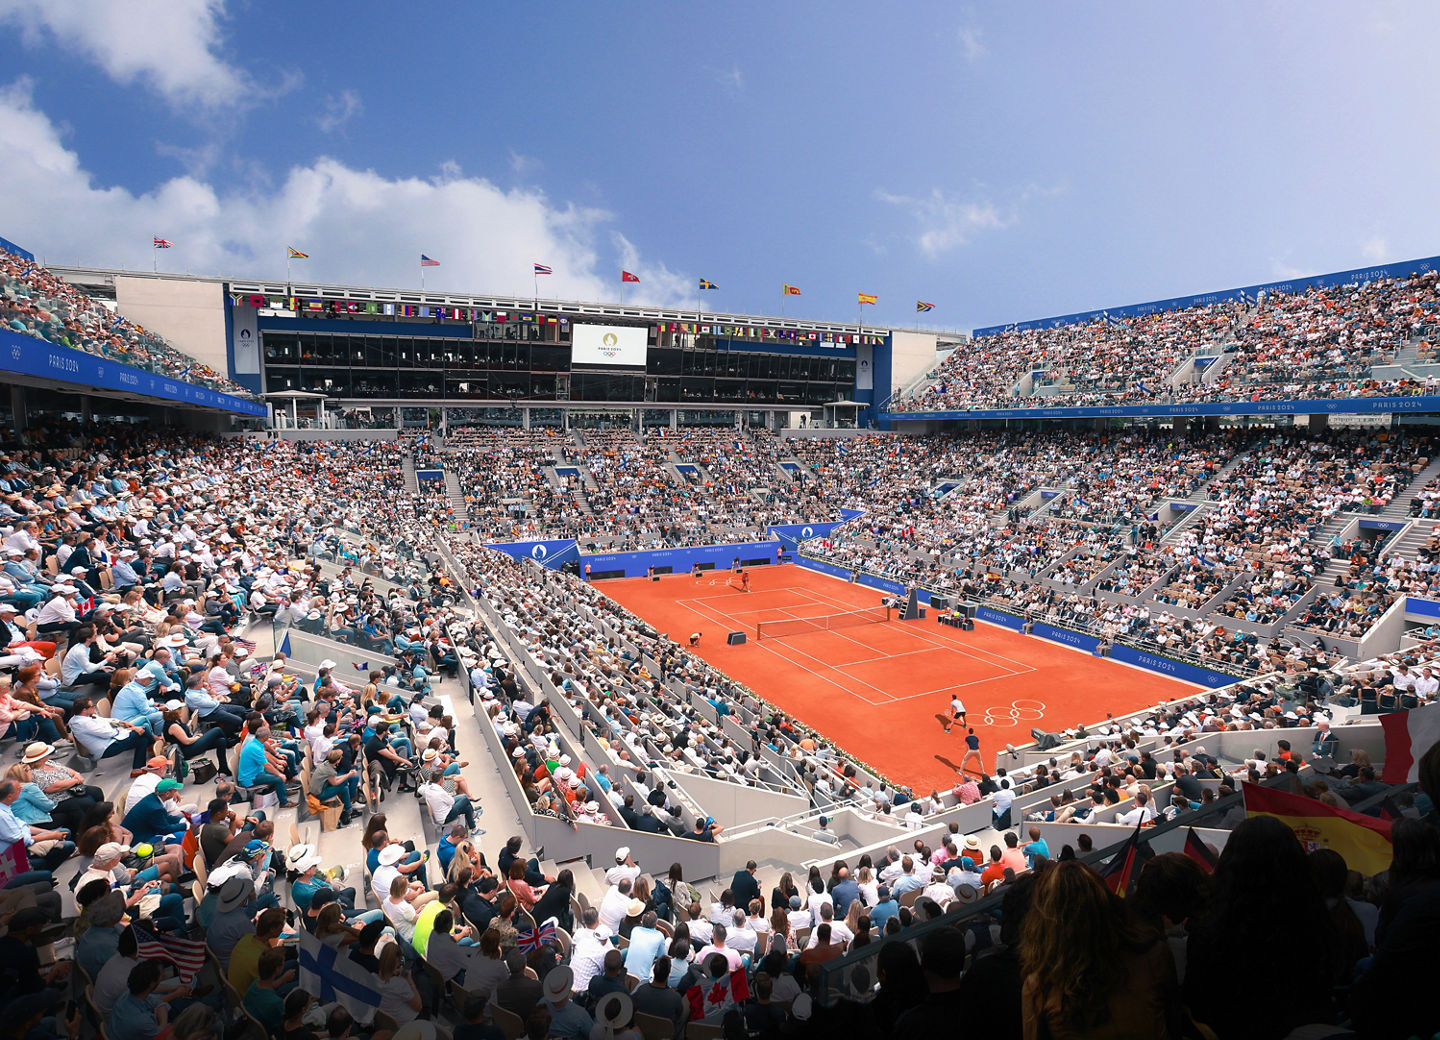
(253, 769)
(133, 704)
(883, 910)
(156, 816)
(140, 1013)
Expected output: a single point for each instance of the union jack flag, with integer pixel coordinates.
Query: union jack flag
(161, 243)
(527, 941)
(188, 955)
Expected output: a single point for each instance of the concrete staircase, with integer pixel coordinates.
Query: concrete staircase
(407, 466)
(1399, 507)
(455, 492)
(1202, 493)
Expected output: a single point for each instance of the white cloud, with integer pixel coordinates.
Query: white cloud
(946, 221)
(524, 165)
(732, 79)
(1376, 250)
(1284, 271)
(358, 226)
(972, 43)
(655, 278)
(339, 109)
(172, 46)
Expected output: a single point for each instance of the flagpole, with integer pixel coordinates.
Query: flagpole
(154, 257)
(422, 276)
(782, 300)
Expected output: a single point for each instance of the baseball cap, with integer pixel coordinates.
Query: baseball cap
(169, 785)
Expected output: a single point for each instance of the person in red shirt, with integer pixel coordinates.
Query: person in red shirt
(995, 869)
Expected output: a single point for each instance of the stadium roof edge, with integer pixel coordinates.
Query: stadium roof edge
(1417, 405)
(29, 361)
(1399, 269)
(89, 276)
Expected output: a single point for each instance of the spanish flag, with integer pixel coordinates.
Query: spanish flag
(291, 253)
(1363, 841)
(865, 298)
(788, 290)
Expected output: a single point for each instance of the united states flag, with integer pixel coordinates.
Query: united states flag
(188, 955)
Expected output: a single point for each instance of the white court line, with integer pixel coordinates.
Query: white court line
(813, 673)
(975, 652)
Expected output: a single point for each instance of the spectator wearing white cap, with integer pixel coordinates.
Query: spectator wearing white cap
(625, 867)
(58, 613)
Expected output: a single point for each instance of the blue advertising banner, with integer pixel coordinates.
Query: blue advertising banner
(549, 554)
(1383, 525)
(822, 567)
(1064, 635)
(1337, 406)
(851, 514)
(429, 474)
(1191, 673)
(1403, 269)
(996, 617)
(14, 250)
(1423, 607)
(635, 564)
(804, 532)
(29, 356)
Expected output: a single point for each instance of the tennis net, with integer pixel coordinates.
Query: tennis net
(821, 623)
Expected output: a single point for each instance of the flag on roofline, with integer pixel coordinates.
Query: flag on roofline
(704, 284)
(161, 243)
(291, 253)
(921, 306)
(788, 290)
(542, 269)
(188, 955)
(863, 298)
(425, 261)
(626, 276)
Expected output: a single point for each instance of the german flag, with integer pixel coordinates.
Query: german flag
(1199, 851)
(1363, 841)
(1121, 873)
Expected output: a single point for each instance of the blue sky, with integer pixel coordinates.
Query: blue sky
(1003, 161)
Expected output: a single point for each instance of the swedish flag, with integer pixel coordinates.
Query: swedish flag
(704, 284)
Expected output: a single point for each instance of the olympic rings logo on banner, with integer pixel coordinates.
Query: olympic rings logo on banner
(1014, 713)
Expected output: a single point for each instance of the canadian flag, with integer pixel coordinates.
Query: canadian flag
(626, 276)
(713, 998)
(1408, 735)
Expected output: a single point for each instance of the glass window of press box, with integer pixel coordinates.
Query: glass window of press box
(528, 366)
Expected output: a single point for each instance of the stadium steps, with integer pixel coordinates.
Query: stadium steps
(455, 493)
(1173, 535)
(407, 466)
(1399, 507)
(1202, 493)
(1409, 542)
(673, 473)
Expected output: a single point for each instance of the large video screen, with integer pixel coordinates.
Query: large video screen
(608, 345)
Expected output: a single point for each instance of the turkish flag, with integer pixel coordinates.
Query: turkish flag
(626, 276)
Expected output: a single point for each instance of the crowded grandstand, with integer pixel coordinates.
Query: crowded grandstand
(326, 725)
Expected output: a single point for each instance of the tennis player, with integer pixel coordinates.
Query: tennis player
(957, 713)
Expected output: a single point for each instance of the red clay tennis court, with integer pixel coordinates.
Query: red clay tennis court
(879, 689)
